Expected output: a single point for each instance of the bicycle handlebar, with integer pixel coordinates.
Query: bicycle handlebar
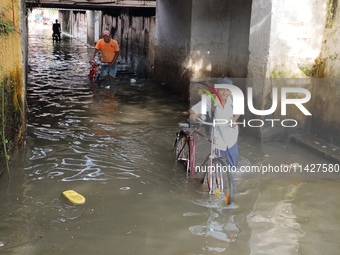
(200, 121)
(214, 123)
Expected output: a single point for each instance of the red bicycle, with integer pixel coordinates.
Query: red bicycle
(214, 171)
(94, 72)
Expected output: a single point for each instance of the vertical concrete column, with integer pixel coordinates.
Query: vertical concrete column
(209, 47)
(260, 25)
(90, 27)
(13, 53)
(94, 23)
(98, 17)
(201, 39)
(172, 41)
(295, 39)
(259, 38)
(62, 21)
(284, 41)
(66, 21)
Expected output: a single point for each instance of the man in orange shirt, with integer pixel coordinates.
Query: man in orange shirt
(110, 52)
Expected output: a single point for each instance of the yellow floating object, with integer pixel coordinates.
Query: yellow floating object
(217, 192)
(74, 197)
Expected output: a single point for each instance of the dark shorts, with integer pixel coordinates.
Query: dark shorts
(105, 70)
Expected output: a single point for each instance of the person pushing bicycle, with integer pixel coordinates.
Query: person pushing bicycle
(110, 52)
(226, 135)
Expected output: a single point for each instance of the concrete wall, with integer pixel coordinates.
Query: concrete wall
(73, 24)
(267, 43)
(238, 48)
(220, 38)
(13, 65)
(271, 44)
(94, 24)
(79, 26)
(201, 39)
(65, 20)
(284, 43)
(173, 45)
(133, 29)
(259, 38)
(326, 85)
(296, 37)
(209, 47)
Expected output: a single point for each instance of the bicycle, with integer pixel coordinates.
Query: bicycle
(56, 37)
(216, 172)
(94, 72)
(95, 75)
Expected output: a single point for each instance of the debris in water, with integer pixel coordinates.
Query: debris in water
(74, 197)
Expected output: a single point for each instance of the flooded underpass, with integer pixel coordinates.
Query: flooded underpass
(114, 146)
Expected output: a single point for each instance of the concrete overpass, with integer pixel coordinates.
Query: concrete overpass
(255, 42)
(258, 42)
(130, 23)
(88, 4)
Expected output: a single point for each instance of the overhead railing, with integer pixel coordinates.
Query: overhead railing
(89, 4)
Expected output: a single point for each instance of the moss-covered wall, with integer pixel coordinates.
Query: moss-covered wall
(12, 78)
(291, 48)
(326, 83)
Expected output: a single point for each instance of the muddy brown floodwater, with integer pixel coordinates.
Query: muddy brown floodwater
(114, 147)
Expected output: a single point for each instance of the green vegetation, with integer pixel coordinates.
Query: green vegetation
(307, 69)
(318, 70)
(3, 139)
(6, 27)
(11, 114)
(282, 72)
(6, 24)
(331, 12)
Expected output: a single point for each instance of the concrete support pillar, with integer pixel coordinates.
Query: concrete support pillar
(93, 26)
(284, 42)
(13, 74)
(98, 16)
(201, 39)
(65, 20)
(259, 38)
(173, 44)
(90, 27)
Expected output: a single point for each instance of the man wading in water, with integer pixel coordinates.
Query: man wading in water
(110, 52)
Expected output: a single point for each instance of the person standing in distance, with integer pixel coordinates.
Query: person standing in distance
(56, 30)
(110, 52)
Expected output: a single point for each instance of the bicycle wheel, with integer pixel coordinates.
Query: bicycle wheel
(181, 148)
(219, 179)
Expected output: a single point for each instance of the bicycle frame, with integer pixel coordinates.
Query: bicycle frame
(191, 138)
(93, 71)
(192, 146)
(56, 37)
(185, 152)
